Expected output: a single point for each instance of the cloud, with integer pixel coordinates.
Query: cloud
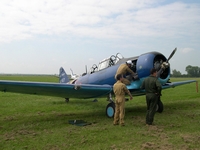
(186, 50)
(91, 59)
(21, 19)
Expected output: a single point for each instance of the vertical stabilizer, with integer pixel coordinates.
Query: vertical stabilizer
(63, 78)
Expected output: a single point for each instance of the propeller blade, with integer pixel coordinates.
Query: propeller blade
(172, 54)
(165, 64)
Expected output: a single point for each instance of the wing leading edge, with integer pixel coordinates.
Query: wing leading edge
(174, 84)
(136, 90)
(55, 89)
(71, 90)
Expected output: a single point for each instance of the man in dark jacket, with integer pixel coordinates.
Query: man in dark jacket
(153, 89)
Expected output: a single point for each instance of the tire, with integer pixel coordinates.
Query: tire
(160, 106)
(110, 110)
(66, 100)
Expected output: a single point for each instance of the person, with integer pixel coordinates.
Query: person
(153, 89)
(120, 90)
(124, 69)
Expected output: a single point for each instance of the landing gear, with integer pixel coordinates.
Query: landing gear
(66, 100)
(110, 110)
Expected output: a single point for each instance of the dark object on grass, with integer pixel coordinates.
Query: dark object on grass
(95, 100)
(78, 122)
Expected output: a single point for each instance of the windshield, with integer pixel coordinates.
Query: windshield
(103, 64)
(112, 60)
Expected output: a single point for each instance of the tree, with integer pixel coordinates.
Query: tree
(176, 73)
(193, 71)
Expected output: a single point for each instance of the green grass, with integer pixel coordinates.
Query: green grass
(41, 122)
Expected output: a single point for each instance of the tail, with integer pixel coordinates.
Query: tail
(63, 78)
(73, 76)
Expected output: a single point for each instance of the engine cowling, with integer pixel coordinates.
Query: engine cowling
(151, 60)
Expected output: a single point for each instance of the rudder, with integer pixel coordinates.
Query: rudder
(63, 78)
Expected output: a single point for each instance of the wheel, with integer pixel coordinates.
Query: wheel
(160, 106)
(66, 100)
(110, 110)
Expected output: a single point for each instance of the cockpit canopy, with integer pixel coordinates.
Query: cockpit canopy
(110, 61)
(105, 63)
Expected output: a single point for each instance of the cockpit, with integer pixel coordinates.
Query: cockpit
(105, 63)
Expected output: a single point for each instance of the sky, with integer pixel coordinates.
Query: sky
(40, 36)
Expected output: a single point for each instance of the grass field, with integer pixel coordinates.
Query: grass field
(40, 122)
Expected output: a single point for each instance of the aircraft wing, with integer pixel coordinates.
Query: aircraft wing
(72, 90)
(135, 89)
(55, 89)
(174, 84)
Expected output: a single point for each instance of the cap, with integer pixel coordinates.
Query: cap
(129, 62)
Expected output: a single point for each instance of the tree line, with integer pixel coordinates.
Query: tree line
(192, 71)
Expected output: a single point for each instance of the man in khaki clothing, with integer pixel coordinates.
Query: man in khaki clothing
(120, 90)
(124, 69)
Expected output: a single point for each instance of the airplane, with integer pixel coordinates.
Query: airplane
(73, 76)
(99, 81)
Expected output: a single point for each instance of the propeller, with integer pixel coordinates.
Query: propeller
(172, 54)
(165, 65)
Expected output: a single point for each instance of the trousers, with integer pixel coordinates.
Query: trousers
(119, 113)
(151, 100)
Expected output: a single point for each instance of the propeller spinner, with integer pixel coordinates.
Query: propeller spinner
(163, 65)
